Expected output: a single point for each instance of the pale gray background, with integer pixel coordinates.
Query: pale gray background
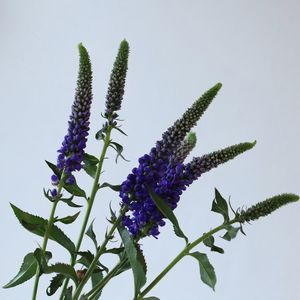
(178, 50)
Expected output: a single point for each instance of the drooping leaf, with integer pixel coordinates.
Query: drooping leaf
(119, 149)
(231, 232)
(37, 225)
(168, 213)
(114, 250)
(86, 258)
(91, 234)
(220, 206)
(135, 259)
(207, 271)
(68, 219)
(210, 242)
(75, 190)
(96, 277)
(115, 188)
(90, 164)
(120, 130)
(55, 284)
(64, 269)
(27, 271)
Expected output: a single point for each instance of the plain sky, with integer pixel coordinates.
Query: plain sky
(179, 49)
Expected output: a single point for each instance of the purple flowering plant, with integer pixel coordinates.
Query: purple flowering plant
(147, 197)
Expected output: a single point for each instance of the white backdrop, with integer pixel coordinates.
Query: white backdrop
(179, 49)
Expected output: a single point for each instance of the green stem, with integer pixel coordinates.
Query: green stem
(47, 233)
(97, 288)
(89, 205)
(182, 254)
(101, 250)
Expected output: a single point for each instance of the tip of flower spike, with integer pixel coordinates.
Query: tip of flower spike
(124, 48)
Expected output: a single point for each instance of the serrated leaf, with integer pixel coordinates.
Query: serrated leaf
(90, 164)
(64, 269)
(96, 277)
(207, 271)
(37, 225)
(86, 258)
(220, 206)
(91, 234)
(68, 219)
(55, 284)
(231, 233)
(134, 256)
(167, 212)
(119, 149)
(115, 188)
(210, 242)
(27, 271)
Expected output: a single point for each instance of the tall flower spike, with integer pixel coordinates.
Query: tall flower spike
(72, 150)
(264, 208)
(185, 148)
(175, 134)
(117, 82)
(205, 163)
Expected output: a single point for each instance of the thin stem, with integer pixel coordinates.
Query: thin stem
(182, 254)
(101, 250)
(47, 233)
(89, 205)
(97, 288)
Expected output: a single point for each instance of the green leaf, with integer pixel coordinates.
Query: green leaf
(68, 293)
(167, 212)
(69, 202)
(27, 271)
(96, 277)
(119, 150)
(75, 190)
(55, 284)
(220, 206)
(120, 130)
(135, 258)
(83, 297)
(91, 234)
(68, 219)
(90, 164)
(54, 168)
(210, 242)
(231, 232)
(207, 271)
(150, 298)
(64, 269)
(115, 188)
(42, 259)
(38, 225)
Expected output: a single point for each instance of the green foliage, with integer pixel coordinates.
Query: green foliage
(150, 298)
(27, 271)
(42, 259)
(90, 164)
(119, 149)
(115, 188)
(231, 232)
(63, 269)
(55, 284)
(168, 213)
(68, 219)
(96, 277)
(38, 225)
(207, 271)
(69, 202)
(220, 206)
(91, 234)
(210, 242)
(136, 260)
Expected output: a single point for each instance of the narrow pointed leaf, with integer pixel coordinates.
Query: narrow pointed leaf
(231, 233)
(151, 298)
(168, 213)
(115, 188)
(68, 219)
(96, 277)
(75, 190)
(135, 258)
(27, 271)
(220, 206)
(91, 234)
(37, 225)
(119, 150)
(207, 271)
(69, 202)
(210, 242)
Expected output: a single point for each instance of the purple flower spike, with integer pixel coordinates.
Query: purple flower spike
(72, 150)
